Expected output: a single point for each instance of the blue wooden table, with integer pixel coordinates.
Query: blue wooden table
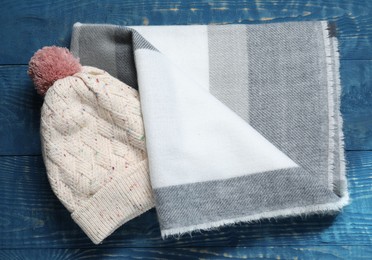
(34, 224)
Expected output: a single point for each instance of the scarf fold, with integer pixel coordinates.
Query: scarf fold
(242, 122)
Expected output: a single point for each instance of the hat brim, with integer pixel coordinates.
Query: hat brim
(125, 197)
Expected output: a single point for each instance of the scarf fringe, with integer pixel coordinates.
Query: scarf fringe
(334, 88)
(303, 212)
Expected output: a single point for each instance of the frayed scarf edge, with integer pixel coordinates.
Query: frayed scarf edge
(322, 209)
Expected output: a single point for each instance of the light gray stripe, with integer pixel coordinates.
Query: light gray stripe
(228, 67)
(205, 202)
(338, 185)
(288, 91)
(75, 38)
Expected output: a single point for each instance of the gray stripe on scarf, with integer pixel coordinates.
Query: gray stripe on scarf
(339, 184)
(110, 48)
(282, 81)
(288, 91)
(228, 67)
(204, 202)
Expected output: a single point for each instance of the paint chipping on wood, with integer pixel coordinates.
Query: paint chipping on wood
(145, 21)
(220, 8)
(266, 18)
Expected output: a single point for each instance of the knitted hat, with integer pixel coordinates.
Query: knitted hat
(93, 142)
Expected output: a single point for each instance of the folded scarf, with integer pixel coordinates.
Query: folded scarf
(242, 122)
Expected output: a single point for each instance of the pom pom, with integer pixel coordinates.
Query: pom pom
(50, 64)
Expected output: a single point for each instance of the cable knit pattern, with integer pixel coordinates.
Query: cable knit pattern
(94, 150)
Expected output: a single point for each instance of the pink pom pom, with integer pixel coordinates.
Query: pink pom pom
(50, 64)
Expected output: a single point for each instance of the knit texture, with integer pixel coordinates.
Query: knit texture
(93, 146)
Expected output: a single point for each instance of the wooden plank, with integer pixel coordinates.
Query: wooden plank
(20, 109)
(31, 216)
(38, 24)
(356, 104)
(306, 252)
(19, 113)
(34, 225)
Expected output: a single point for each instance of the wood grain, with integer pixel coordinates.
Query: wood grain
(31, 217)
(356, 104)
(27, 26)
(305, 252)
(19, 113)
(34, 224)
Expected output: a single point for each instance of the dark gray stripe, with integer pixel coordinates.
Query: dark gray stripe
(110, 48)
(127, 41)
(205, 202)
(288, 91)
(228, 67)
(126, 69)
(97, 47)
(139, 42)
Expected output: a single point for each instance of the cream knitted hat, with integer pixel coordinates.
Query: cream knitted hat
(93, 143)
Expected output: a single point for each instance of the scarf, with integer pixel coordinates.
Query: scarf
(242, 122)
